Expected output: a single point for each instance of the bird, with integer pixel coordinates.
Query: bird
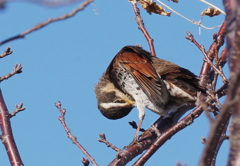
(135, 78)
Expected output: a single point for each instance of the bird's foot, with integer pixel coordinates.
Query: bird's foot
(135, 138)
(134, 141)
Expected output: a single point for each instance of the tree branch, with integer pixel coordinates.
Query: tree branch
(169, 126)
(206, 67)
(7, 135)
(43, 24)
(186, 121)
(6, 52)
(141, 27)
(17, 69)
(18, 108)
(69, 134)
(232, 103)
(104, 140)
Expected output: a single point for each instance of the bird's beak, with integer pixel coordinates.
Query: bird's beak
(130, 102)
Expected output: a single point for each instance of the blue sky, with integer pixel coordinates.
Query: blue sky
(63, 62)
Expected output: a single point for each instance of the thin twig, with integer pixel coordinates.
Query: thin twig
(232, 101)
(222, 138)
(222, 91)
(209, 116)
(17, 69)
(148, 137)
(210, 54)
(213, 74)
(167, 134)
(142, 28)
(191, 38)
(216, 131)
(6, 52)
(104, 140)
(225, 80)
(223, 58)
(194, 22)
(43, 24)
(18, 108)
(204, 73)
(56, 3)
(217, 101)
(69, 134)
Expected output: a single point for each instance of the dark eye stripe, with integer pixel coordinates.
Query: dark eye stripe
(119, 101)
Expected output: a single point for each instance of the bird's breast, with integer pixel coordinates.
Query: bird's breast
(131, 87)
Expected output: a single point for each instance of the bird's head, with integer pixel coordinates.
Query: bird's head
(112, 102)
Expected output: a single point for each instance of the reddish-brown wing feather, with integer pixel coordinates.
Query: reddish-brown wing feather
(178, 76)
(139, 65)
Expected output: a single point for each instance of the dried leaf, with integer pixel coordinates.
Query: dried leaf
(152, 7)
(210, 12)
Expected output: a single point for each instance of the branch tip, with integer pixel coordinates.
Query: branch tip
(48, 21)
(18, 108)
(69, 134)
(6, 52)
(108, 144)
(17, 70)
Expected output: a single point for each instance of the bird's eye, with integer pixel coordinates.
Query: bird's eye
(119, 101)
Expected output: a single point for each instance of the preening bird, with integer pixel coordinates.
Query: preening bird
(135, 78)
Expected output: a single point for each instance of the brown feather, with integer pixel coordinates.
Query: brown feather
(138, 63)
(178, 76)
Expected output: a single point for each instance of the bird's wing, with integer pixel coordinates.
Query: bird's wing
(139, 65)
(185, 80)
(178, 76)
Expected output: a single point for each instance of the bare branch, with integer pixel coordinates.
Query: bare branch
(186, 121)
(217, 129)
(104, 140)
(69, 134)
(232, 101)
(7, 135)
(222, 138)
(191, 38)
(225, 80)
(43, 24)
(223, 58)
(149, 136)
(142, 28)
(6, 52)
(170, 125)
(17, 69)
(204, 73)
(18, 108)
(222, 91)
